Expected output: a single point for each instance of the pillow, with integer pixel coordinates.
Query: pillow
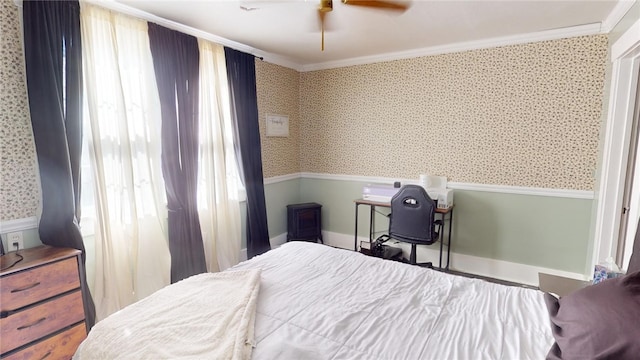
(634, 263)
(601, 321)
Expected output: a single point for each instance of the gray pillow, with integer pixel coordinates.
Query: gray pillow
(597, 322)
(634, 263)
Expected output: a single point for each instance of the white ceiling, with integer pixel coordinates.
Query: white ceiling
(290, 30)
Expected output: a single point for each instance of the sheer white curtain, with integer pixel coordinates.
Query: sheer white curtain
(131, 251)
(218, 202)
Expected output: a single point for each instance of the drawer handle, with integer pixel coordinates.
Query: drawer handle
(46, 355)
(34, 324)
(25, 288)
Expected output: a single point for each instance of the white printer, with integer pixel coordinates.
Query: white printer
(436, 187)
(443, 197)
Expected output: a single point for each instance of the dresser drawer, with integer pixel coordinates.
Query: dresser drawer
(48, 317)
(60, 346)
(39, 283)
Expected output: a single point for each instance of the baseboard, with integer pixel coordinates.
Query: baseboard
(275, 242)
(497, 269)
(278, 240)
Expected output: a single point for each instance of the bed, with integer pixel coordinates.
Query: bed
(311, 301)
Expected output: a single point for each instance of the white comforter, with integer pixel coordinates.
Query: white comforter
(207, 316)
(317, 302)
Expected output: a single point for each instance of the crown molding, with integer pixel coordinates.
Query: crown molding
(614, 17)
(555, 34)
(618, 12)
(627, 43)
(128, 10)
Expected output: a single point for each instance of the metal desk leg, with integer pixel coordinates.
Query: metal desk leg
(355, 240)
(449, 241)
(372, 213)
(441, 236)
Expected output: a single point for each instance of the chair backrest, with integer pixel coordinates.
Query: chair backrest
(412, 216)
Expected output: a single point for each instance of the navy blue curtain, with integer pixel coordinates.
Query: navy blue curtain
(53, 59)
(176, 61)
(241, 73)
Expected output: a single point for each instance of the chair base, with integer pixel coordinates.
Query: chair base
(412, 259)
(385, 251)
(427, 265)
(393, 253)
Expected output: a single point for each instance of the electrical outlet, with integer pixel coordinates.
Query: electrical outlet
(15, 241)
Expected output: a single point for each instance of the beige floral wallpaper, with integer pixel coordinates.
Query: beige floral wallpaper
(278, 90)
(523, 115)
(19, 190)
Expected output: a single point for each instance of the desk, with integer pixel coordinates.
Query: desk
(372, 208)
(559, 285)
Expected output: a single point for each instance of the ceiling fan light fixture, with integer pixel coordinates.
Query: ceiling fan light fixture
(326, 5)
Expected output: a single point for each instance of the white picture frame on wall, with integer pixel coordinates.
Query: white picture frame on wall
(277, 125)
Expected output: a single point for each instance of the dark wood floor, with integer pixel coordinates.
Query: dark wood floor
(493, 280)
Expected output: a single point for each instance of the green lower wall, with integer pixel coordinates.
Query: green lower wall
(30, 238)
(277, 197)
(543, 231)
(551, 232)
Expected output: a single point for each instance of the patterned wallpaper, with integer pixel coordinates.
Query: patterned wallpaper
(19, 190)
(522, 115)
(278, 91)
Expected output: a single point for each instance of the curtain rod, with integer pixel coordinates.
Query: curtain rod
(140, 14)
(128, 10)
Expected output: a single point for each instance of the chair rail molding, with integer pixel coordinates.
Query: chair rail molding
(504, 189)
(18, 224)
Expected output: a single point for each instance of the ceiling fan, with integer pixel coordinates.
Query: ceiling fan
(326, 6)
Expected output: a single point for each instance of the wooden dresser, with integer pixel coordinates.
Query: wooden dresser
(41, 303)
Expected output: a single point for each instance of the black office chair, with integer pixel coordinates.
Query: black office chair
(412, 220)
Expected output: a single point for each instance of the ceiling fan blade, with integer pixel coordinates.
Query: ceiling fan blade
(378, 4)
